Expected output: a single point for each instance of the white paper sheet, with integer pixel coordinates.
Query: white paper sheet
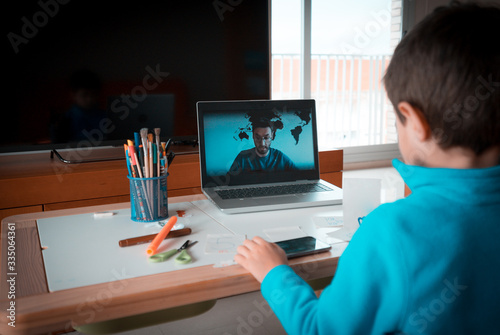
(340, 235)
(225, 262)
(223, 243)
(328, 221)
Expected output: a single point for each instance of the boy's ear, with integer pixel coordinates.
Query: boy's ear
(415, 121)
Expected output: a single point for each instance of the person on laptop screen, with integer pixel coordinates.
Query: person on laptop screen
(262, 158)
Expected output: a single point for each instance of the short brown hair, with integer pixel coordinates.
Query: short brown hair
(448, 67)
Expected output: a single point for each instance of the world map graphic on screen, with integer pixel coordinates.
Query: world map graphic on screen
(275, 118)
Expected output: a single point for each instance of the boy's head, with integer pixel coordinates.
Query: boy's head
(444, 80)
(85, 86)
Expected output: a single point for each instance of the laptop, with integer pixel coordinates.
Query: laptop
(261, 155)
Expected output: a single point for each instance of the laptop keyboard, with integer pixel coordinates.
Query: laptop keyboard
(266, 191)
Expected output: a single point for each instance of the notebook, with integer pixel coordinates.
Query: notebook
(261, 155)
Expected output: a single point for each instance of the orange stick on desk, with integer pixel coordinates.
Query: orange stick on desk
(161, 235)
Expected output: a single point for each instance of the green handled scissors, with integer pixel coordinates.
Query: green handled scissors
(183, 258)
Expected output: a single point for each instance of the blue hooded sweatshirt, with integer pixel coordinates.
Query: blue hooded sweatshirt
(426, 264)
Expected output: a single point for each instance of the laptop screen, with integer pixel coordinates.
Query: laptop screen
(253, 142)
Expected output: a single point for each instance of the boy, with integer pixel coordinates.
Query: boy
(430, 263)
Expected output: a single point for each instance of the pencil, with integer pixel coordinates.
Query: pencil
(127, 160)
(148, 238)
(137, 139)
(144, 138)
(136, 170)
(155, 160)
(139, 206)
(157, 147)
(150, 147)
(134, 159)
(141, 158)
(163, 145)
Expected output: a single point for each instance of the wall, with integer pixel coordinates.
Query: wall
(424, 7)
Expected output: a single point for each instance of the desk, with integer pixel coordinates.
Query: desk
(41, 311)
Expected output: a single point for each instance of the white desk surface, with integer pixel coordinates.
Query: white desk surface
(80, 250)
(255, 224)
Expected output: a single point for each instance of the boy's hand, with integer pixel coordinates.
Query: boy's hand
(259, 257)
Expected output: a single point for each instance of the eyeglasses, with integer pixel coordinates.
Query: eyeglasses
(260, 139)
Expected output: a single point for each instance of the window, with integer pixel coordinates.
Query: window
(336, 52)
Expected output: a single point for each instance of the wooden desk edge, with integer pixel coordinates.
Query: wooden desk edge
(92, 303)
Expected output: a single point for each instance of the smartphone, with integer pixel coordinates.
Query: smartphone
(303, 246)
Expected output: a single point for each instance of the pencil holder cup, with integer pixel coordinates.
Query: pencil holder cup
(148, 199)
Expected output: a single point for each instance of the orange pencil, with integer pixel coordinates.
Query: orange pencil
(161, 235)
(131, 171)
(125, 148)
(163, 145)
(133, 158)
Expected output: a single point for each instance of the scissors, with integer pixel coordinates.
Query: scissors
(183, 258)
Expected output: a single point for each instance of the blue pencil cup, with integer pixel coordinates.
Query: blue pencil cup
(148, 199)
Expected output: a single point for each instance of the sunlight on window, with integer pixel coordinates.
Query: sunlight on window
(351, 46)
(285, 49)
